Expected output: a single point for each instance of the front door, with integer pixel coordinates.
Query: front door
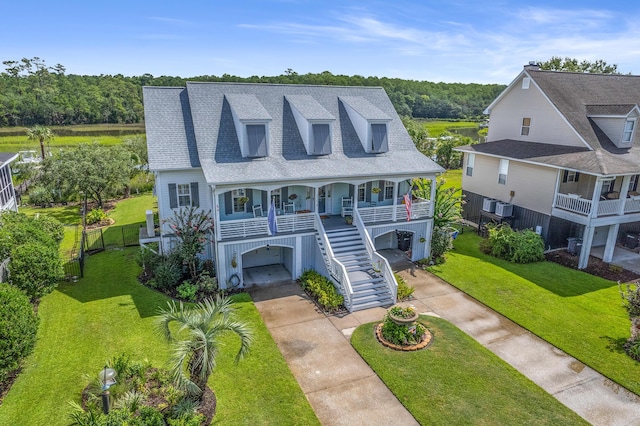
(322, 200)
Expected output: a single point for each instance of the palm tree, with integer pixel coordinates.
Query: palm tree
(41, 134)
(195, 342)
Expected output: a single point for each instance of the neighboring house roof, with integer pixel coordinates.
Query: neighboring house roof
(578, 97)
(7, 157)
(194, 127)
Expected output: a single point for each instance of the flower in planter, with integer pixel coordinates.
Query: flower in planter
(293, 196)
(375, 190)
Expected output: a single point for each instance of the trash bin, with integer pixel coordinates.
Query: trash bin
(574, 245)
(404, 240)
(631, 241)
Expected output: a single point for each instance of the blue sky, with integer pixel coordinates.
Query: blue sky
(451, 41)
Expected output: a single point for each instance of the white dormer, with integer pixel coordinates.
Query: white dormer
(251, 121)
(370, 123)
(618, 122)
(314, 122)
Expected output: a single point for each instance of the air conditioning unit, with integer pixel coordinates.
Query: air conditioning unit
(489, 205)
(504, 209)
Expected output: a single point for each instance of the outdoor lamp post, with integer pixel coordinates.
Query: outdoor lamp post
(108, 378)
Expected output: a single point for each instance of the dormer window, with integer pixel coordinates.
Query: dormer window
(629, 127)
(314, 123)
(369, 122)
(379, 141)
(251, 121)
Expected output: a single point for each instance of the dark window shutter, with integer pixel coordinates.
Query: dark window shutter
(635, 184)
(228, 203)
(351, 191)
(284, 195)
(367, 192)
(249, 193)
(173, 196)
(195, 195)
(265, 202)
(577, 176)
(257, 140)
(381, 193)
(321, 142)
(379, 143)
(565, 176)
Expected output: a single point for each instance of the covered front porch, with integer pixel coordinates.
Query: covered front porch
(244, 212)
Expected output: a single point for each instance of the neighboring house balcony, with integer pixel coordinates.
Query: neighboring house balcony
(604, 200)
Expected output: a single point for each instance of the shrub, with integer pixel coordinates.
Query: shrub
(51, 227)
(148, 260)
(35, 269)
(630, 294)
(322, 290)
(401, 334)
(187, 291)
(18, 328)
(632, 348)
(441, 242)
(404, 291)
(515, 246)
(166, 274)
(40, 196)
(96, 216)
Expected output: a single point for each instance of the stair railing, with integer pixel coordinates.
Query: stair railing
(379, 263)
(337, 270)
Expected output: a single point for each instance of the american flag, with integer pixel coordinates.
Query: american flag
(271, 219)
(407, 204)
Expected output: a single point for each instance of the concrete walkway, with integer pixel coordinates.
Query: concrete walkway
(309, 341)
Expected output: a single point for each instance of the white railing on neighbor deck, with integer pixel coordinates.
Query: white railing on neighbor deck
(632, 205)
(243, 228)
(378, 262)
(608, 207)
(573, 203)
(337, 270)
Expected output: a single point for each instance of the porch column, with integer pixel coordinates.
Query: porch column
(316, 202)
(394, 217)
(558, 180)
(595, 198)
(587, 240)
(612, 237)
(432, 204)
(216, 210)
(624, 191)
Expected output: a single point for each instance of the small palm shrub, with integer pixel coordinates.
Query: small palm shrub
(322, 290)
(404, 291)
(441, 243)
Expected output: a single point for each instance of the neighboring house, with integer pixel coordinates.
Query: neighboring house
(316, 153)
(563, 154)
(8, 199)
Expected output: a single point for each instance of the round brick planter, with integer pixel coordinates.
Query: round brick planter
(402, 320)
(426, 340)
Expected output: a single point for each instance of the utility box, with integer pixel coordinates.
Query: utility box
(504, 209)
(631, 241)
(489, 205)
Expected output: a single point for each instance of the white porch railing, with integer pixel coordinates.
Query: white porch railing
(577, 204)
(337, 270)
(376, 214)
(377, 260)
(419, 210)
(243, 228)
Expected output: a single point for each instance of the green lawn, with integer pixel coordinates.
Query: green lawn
(453, 179)
(457, 381)
(579, 313)
(107, 312)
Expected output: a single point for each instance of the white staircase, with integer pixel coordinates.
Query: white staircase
(369, 288)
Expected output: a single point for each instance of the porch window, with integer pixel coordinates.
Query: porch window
(633, 183)
(607, 186)
(183, 195)
(570, 176)
(503, 171)
(526, 125)
(388, 190)
(471, 159)
(629, 126)
(361, 192)
(239, 200)
(276, 197)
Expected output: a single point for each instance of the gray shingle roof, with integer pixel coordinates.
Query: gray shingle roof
(247, 107)
(218, 149)
(577, 96)
(309, 107)
(363, 107)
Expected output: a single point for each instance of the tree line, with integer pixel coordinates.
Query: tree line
(31, 92)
